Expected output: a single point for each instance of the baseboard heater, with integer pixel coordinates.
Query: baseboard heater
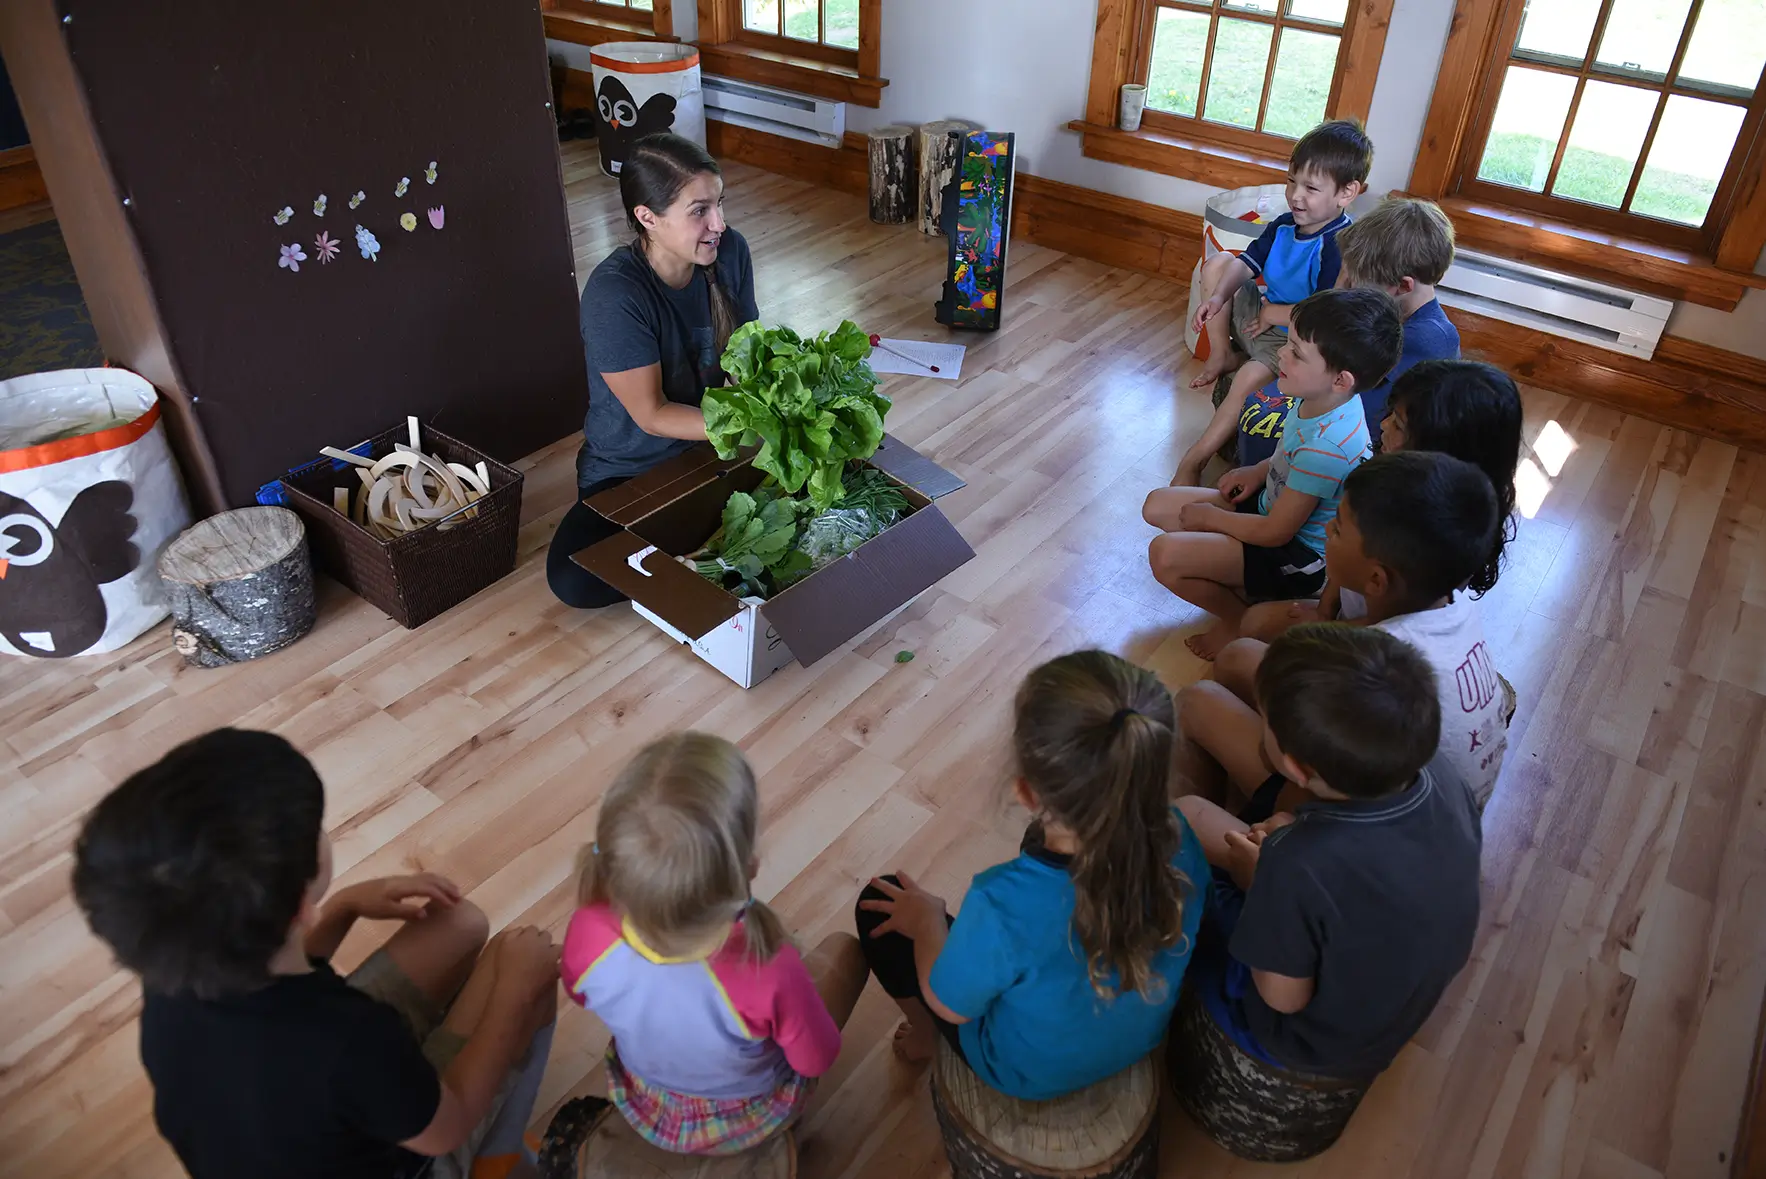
(1562, 304)
(780, 112)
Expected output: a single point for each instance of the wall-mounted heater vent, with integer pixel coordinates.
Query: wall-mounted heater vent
(1561, 304)
(781, 112)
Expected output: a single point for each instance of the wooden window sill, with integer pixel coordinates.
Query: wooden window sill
(1191, 159)
(1624, 262)
(764, 67)
(581, 29)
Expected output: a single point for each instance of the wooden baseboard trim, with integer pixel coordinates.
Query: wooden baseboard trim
(21, 181)
(1687, 385)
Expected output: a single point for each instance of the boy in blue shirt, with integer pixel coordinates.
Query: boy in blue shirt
(1404, 248)
(1222, 549)
(1295, 255)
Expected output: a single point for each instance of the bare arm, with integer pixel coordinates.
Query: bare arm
(1283, 993)
(1233, 273)
(926, 950)
(1286, 516)
(640, 391)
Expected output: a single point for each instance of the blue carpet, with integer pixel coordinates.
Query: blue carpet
(43, 320)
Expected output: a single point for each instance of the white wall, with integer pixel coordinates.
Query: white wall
(1024, 66)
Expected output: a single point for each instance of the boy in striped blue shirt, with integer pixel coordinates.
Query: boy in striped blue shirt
(1259, 536)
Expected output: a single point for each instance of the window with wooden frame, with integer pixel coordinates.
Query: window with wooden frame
(1245, 78)
(828, 48)
(594, 22)
(1633, 125)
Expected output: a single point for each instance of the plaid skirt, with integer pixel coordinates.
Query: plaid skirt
(683, 1124)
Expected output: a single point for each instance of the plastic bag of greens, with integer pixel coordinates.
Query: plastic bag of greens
(836, 532)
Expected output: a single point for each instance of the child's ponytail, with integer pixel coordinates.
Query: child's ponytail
(674, 848)
(1094, 738)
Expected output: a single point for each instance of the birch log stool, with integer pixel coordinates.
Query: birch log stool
(895, 174)
(1252, 1108)
(240, 585)
(611, 1149)
(939, 157)
(1107, 1131)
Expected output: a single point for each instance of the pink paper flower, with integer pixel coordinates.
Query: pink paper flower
(292, 257)
(435, 216)
(326, 246)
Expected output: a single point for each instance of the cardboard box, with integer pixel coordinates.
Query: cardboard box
(674, 508)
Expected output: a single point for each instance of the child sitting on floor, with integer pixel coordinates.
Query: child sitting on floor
(1412, 529)
(719, 1028)
(1459, 407)
(1222, 549)
(1064, 965)
(1403, 247)
(1295, 256)
(204, 873)
(1344, 922)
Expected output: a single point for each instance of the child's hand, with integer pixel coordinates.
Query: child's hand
(913, 912)
(1237, 483)
(1193, 517)
(1274, 823)
(394, 898)
(1242, 851)
(1271, 315)
(1206, 312)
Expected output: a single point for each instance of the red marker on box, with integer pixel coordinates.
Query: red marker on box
(877, 342)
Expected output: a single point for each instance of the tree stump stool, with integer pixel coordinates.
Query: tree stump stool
(613, 1150)
(240, 585)
(940, 153)
(895, 174)
(1254, 1109)
(1107, 1131)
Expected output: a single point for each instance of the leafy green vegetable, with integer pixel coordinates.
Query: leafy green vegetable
(810, 405)
(755, 542)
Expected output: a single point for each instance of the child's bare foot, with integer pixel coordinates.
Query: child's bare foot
(1188, 475)
(1209, 643)
(1212, 370)
(915, 1042)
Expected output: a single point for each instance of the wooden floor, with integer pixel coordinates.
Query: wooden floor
(1603, 1030)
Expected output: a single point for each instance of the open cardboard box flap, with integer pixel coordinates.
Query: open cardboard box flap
(691, 604)
(665, 482)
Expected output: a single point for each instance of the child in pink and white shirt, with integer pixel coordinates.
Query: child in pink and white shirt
(719, 1027)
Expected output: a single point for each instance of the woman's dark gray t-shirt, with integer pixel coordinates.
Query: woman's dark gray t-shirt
(631, 319)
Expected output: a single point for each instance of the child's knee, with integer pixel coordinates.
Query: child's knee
(467, 923)
(1196, 704)
(1165, 555)
(1237, 662)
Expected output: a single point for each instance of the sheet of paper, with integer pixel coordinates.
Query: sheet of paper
(916, 358)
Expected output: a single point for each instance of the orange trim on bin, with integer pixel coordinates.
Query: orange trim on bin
(644, 67)
(27, 457)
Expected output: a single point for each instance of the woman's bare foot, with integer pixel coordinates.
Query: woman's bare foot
(1208, 644)
(915, 1042)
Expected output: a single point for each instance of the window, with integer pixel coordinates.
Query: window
(828, 48)
(1231, 84)
(595, 21)
(1623, 114)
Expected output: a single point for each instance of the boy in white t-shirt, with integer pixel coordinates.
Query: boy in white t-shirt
(1412, 528)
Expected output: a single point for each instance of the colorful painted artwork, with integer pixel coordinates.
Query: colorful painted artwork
(978, 210)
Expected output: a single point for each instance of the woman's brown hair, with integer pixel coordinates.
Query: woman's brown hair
(673, 845)
(1093, 738)
(653, 174)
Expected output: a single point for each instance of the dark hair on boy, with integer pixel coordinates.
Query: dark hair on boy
(1093, 736)
(1428, 517)
(1358, 331)
(1471, 411)
(1403, 237)
(1340, 149)
(194, 868)
(1354, 704)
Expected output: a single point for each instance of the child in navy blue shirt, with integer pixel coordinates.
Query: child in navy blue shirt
(1404, 248)
(1295, 256)
(1064, 965)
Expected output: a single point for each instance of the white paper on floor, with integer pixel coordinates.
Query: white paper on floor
(918, 358)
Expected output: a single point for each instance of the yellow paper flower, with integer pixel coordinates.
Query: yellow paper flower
(408, 222)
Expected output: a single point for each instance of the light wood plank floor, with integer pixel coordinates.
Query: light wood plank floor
(1603, 1029)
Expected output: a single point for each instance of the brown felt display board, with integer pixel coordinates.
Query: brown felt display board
(215, 115)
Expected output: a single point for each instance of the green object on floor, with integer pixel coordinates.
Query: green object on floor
(904, 656)
(44, 324)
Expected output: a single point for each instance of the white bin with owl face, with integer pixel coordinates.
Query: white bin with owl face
(89, 497)
(643, 87)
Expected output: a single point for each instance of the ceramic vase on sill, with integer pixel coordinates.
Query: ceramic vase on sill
(1134, 101)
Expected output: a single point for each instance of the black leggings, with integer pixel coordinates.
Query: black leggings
(891, 959)
(581, 527)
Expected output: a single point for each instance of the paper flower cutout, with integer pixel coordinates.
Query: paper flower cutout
(319, 206)
(408, 222)
(429, 173)
(435, 217)
(368, 244)
(292, 257)
(282, 217)
(358, 199)
(404, 184)
(325, 247)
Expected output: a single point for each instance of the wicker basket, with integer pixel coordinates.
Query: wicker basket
(421, 574)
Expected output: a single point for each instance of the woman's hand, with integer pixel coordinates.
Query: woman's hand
(913, 912)
(396, 898)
